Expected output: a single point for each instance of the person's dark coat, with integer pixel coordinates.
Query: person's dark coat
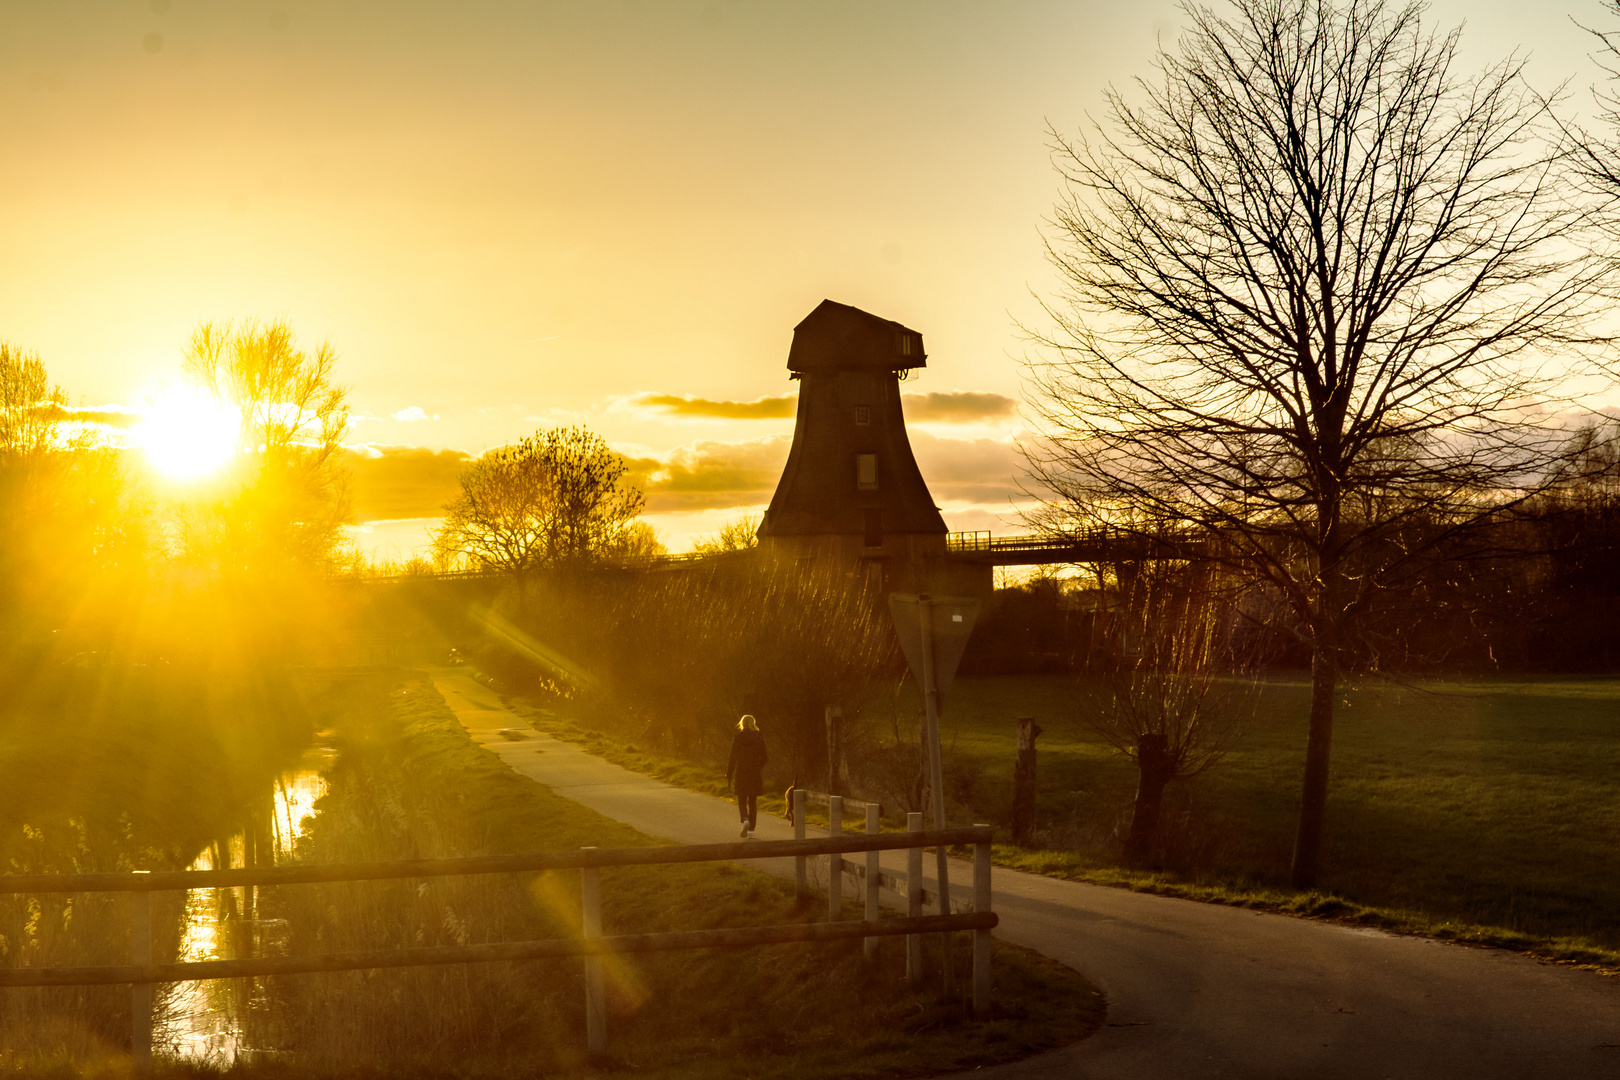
(747, 765)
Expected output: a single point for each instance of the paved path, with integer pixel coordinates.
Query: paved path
(1194, 990)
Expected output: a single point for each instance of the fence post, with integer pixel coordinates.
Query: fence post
(140, 994)
(801, 880)
(981, 938)
(914, 823)
(837, 765)
(590, 900)
(874, 825)
(835, 861)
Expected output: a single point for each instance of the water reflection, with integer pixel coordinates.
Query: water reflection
(220, 1021)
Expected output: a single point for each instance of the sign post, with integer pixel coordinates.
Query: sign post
(933, 633)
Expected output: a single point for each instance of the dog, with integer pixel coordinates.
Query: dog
(788, 798)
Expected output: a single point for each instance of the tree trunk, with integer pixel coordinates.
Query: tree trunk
(1318, 751)
(1153, 773)
(1023, 823)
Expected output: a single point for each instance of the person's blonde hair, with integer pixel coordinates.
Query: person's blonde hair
(747, 723)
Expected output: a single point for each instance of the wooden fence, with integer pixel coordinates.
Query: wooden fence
(142, 973)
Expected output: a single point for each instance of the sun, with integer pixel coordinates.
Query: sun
(186, 434)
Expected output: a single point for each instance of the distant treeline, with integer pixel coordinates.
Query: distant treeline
(1535, 592)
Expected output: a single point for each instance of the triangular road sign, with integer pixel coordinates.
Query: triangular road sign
(950, 618)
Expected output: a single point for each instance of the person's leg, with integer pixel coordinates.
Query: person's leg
(742, 813)
(753, 812)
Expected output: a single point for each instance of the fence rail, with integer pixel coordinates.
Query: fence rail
(172, 880)
(142, 973)
(490, 952)
(853, 806)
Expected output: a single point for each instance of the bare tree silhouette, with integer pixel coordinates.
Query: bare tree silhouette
(558, 496)
(1323, 296)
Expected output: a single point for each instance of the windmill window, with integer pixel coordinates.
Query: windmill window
(874, 528)
(863, 415)
(866, 472)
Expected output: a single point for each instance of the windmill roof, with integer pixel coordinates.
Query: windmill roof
(837, 337)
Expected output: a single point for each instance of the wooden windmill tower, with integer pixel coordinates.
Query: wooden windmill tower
(851, 491)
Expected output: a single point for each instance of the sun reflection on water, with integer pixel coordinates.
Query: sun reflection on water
(204, 1021)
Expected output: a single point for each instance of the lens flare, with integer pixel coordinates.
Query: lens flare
(186, 434)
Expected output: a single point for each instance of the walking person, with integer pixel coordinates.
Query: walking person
(744, 772)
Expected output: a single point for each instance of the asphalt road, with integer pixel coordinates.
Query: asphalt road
(1194, 990)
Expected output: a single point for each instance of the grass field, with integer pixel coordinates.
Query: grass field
(1493, 802)
(1481, 809)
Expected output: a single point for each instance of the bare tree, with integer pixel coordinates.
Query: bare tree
(28, 435)
(1599, 155)
(1169, 701)
(1321, 296)
(558, 496)
(70, 525)
(738, 534)
(29, 405)
(294, 418)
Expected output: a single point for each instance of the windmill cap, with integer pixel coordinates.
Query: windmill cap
(837, 337)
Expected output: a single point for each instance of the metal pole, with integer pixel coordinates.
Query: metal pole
(140, 994)
(801, 878)
(914, 972)
(925, 607)
(981, 938)
(873, 826)
(590, 902)
(835, 861)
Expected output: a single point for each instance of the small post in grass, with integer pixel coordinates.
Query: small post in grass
(590, 899)
(914, 823)
(140, 994)
(981, 938)
(835, 861)
(801, 879)
(874, 825)
(1024, 781)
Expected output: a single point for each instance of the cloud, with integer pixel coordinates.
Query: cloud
(119, 416)
(413, 414)
(957, 407)
(952, 407)
(715, 475)
(765, 408)
(712, 475)
(985, 472)
(415, 482)
(392, 482)
(404, 481)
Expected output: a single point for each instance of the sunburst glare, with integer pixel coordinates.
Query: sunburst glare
(186, 433)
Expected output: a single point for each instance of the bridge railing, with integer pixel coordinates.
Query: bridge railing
(978, 540)
(1085, 543)
(142, 972)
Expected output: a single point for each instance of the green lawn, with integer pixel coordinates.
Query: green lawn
(1490, 801)
(1484, 809)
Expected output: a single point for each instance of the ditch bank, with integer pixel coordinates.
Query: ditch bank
(112, 766)
(408, 782)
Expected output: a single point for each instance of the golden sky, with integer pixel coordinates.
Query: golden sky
(513, 215)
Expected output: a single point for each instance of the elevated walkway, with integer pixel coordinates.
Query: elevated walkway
(1100, 545)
